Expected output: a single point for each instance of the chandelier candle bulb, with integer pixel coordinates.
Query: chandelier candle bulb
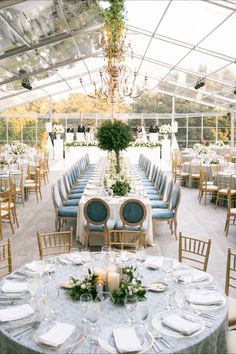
(113, 281)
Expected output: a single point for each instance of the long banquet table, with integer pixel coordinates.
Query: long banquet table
(211, 340)
(93, 190)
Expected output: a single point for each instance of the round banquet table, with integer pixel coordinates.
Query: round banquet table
(211, 340)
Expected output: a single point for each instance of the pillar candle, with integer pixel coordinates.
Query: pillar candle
(113, 281)
(102, 274)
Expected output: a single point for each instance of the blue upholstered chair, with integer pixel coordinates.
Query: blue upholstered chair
(158, 195)
(64, 196)
(63, 213)
(97, 213)
(149, 183)
(164, 204)
(132, 218)
(170, 214)
(72, 194)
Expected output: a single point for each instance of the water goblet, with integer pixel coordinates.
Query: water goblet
(131, 303)
(48, 302)
(74, 252)
(85, 299)
(40, 267)
(33, 285)
(92, 315)
(142, 312)
(167, 266)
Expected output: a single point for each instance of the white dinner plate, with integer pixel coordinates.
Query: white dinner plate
(106, 340)
(208, 307)
(190, 271)
(157, 324)
(77, 336)
(156, 263)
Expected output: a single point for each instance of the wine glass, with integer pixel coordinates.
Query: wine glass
(33, 285)
(48, 302)
(140, 253)
(85, 299)
(131, 303)
(142, 311)
(74, 252)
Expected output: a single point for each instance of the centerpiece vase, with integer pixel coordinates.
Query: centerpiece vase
(165, 136)
(58, 135)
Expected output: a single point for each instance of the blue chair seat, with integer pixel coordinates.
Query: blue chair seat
(150, 189)
(77, 190)
(119, 226)
(75, 196)
(147, 183)
(159, 204)
(154, 196)
(100, 228)
(72, 202)
(162, 213)
(69, 211)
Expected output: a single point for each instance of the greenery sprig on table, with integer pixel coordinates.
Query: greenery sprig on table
(86, 285)
(121, 187)
(129, 285)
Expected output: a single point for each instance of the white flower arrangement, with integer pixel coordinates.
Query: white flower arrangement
(219, 143)
(18, 148)
(200, 148)
(165, 129)
(58, 129)
(149, 144)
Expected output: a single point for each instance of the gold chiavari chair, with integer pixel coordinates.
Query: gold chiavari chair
(124, 239)
(194, 174)
(205, 189)
(194, 251)
(4, 183)
(224, 183)
(231, 211)
(179, 174)
(5, 258)
(13, 203)
(230, 282)
(5, 207)
(34, 186)
(54, 243)
(17, 179)
(42, 170)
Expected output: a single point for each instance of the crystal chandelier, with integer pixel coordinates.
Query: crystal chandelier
(116, 80)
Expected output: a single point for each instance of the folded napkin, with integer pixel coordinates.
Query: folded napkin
(14, 286)
(205, 298)
(33, 267)
(154, 262)
(15, 312)
(57, 335)
(126, 340)
(197, 277)
(76, 260)
(181, 325)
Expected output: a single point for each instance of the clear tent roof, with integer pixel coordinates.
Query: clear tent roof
(175, 42)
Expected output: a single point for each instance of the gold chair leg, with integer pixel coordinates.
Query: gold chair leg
(175, 229)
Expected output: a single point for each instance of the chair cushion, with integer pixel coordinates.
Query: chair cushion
(69, 211)
(231, 342)
(77, 190)
(232, 311)
(159, 213)
(75, 196)
(154, 196)
(72, 202)
(100, 228)
(159, 204)
(119, 226)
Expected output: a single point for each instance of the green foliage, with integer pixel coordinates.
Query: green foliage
(121, 187)
(114, 135)
(85, 286)
(129, 285)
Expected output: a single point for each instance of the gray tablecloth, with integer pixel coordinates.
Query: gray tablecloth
(211, 340)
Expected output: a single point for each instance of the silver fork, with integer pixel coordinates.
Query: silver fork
(164, 341)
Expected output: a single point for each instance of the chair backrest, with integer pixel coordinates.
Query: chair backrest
(70, 180)
(169, 191)
(57, 202)
(133, 212)
(224, 181)
(96, 211)
(54, 243)
(195, 251)
(5, 258)
(17, 179)
(163, 186)
(124, 239)
(67, 184)
(175, 198)
(62, 189)
(230, 279)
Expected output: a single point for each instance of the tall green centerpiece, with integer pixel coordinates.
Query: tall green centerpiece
(114, 135)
